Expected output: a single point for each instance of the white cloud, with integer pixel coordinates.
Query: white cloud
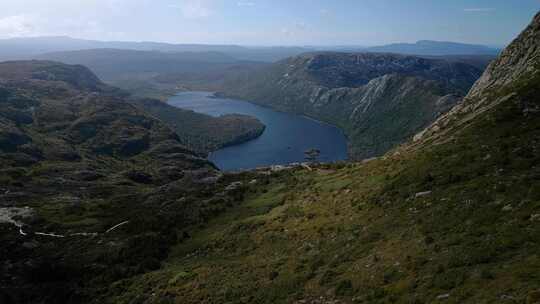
(32, 25)
(479, 9)
(81, 18)
(286, 31)
(301, 26)
(194, 9)
(16, 26)
(245, 3)
(296, 29)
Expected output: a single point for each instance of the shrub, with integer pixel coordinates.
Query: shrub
(344, 288)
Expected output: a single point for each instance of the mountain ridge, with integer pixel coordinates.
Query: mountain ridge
(435, 48)
(28, 48)
(356, 91)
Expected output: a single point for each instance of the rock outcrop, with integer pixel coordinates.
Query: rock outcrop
(518, 63)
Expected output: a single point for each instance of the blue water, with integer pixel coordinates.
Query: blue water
(284, 141)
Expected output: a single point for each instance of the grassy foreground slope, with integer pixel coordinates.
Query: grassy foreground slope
(452, 218)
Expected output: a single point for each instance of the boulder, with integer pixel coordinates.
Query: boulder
(422, 194)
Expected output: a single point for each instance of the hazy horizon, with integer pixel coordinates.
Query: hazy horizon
(322, 46)
(269, 23)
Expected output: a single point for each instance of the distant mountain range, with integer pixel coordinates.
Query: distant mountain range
(154, 69)
(140, 72)
(434, 48)
(27, 48)
(112, 64)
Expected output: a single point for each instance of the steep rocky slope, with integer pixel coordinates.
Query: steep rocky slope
(379, 100)
(512, 70)
(451, 218)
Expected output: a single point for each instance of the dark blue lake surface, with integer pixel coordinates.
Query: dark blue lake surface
(284, 141)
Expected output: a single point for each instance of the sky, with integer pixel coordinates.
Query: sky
(270, 22)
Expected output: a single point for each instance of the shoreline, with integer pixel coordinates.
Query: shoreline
(336, 134)
(221, 95)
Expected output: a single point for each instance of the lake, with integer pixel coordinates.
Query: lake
(286, 138)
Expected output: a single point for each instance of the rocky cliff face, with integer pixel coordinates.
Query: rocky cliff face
(518, 65)
(378, 99)
(519, 58)
(337, 70)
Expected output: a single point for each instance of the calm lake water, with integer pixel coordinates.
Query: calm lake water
(284, 141)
